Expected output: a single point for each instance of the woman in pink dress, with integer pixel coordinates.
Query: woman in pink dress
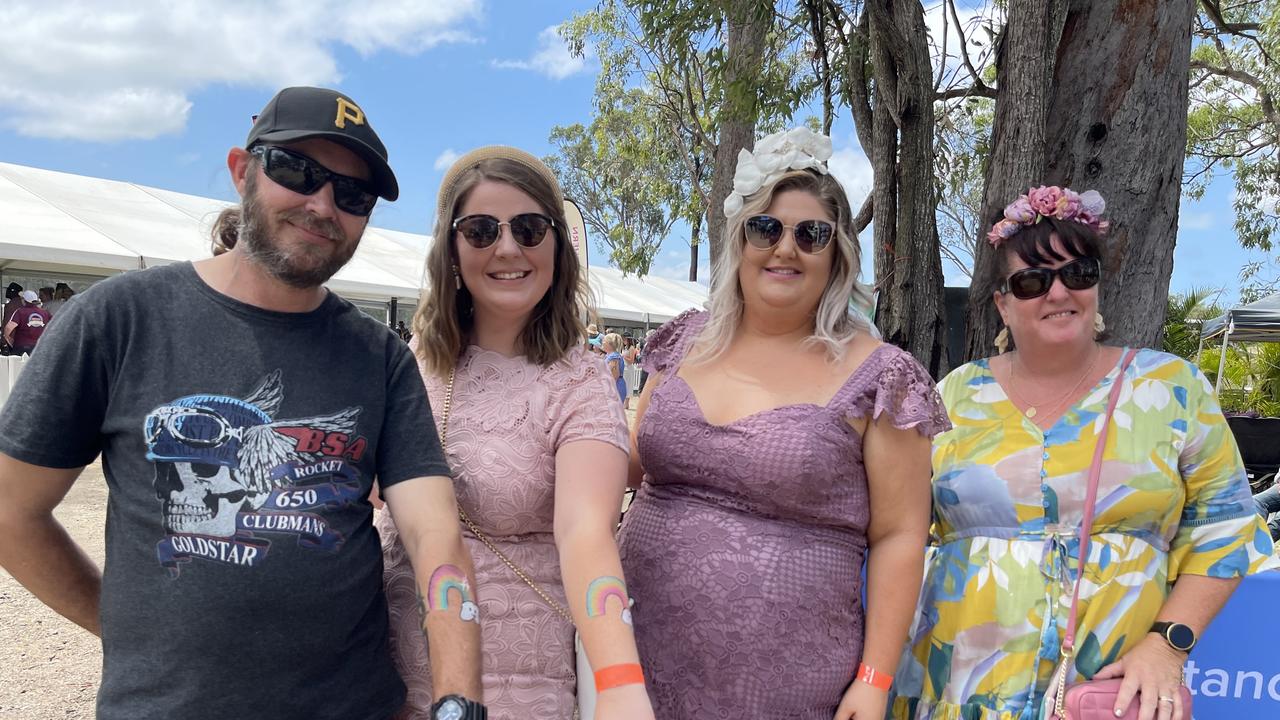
(537, 441)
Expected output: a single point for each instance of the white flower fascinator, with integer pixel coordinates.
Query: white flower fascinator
(795, 149)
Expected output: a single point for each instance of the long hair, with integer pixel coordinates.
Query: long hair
(834, 323)
(444, 318)
(226, 227)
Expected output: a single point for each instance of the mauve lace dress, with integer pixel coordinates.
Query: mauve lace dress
(508, 420)
(744, 547)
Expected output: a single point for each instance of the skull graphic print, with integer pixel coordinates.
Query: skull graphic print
(227, 473)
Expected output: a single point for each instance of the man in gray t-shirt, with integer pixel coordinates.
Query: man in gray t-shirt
(242, 413)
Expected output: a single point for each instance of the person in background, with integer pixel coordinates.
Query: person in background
(630, 349)
(26, 325)
(614, 361)
(61, 294)
(12, 301)
(404, 332)
(46, 297)
(644, 370)
(593, 338)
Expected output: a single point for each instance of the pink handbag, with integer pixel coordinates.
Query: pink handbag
(1093, 699)
(1096, 699)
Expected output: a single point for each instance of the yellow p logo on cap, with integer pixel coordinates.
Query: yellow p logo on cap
(348, 110)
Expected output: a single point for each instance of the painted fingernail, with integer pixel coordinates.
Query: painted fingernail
(1118, 712)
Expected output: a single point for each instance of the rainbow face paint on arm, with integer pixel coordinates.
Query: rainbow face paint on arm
(599, 592)
(448, 578)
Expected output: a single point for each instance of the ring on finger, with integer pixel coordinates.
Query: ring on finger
(1166, 699)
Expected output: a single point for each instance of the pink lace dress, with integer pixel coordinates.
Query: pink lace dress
(744, 547)
(508, 420)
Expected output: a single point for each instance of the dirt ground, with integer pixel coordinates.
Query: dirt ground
(50, 668)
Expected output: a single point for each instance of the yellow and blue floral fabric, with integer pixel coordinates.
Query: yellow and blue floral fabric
(1008, 501)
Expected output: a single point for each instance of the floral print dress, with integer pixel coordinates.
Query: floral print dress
(1173, 499)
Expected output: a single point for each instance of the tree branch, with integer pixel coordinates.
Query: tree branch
(964, 51)
(976, 90)
(865, 215)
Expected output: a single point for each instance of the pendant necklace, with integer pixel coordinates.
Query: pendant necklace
(1031, 411)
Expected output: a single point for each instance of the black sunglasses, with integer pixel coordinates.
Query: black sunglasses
(812, 236)
(303, 175)
(1030, 283)
(481, 231)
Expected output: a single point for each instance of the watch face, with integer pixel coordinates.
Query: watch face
(1181, 637)
(449, 710)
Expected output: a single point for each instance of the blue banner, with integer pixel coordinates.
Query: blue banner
(1234, 672)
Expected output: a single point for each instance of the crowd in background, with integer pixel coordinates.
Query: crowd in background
(27, 313)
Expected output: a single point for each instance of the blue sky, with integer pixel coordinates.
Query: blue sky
(156, 92)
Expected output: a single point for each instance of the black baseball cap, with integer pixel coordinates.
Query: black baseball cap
(298, 113)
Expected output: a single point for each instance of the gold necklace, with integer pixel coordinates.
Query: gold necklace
(1031, 411)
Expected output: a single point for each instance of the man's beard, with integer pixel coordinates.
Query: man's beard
(303, 267)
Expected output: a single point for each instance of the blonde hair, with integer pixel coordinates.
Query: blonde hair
(444, 318)
(834, 322)
(613, 339)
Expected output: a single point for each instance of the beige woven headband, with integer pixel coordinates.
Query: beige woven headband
(449, 185)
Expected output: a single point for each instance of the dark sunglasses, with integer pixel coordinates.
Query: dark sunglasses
(1030, 283)
(305, 176)
(812, 236)
(481, 231)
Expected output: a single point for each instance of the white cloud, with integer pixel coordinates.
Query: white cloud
(552, 58)
(852, 168)
(127, 68)
(445, 159)
(1195, 221)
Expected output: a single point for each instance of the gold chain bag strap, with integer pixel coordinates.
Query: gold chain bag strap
(586, 680)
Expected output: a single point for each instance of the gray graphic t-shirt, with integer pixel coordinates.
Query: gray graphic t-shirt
(243, 574)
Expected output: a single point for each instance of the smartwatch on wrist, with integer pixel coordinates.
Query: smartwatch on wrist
(1179, 636)
(456, 707)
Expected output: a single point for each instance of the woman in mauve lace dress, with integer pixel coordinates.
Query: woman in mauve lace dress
(537, 442)
(781, 443)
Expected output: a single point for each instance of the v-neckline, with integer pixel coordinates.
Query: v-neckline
(702, 415)
(1102, 382)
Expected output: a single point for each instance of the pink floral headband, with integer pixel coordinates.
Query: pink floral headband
(1085, 208)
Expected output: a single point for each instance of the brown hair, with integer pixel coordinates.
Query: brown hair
(444, 318)
(1034, 244)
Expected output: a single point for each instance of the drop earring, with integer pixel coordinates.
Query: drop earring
(1099, 326)
(1002, 340)
(457, 278)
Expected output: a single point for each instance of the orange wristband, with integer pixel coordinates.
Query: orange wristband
(874, 678)
(617, 675)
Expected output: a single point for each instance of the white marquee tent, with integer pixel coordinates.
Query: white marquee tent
(58, 222)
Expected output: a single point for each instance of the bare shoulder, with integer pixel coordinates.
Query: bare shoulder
(858, 349)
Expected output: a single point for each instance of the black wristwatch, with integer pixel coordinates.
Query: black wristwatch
(1179, 636)
(456, 707)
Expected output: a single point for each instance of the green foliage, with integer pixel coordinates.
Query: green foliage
(1184, 314)
(1233, 126)
(624, 176)
(962, 144)
(660, 99)
(1251, 377)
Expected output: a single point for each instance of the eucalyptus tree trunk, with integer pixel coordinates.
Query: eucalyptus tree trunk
(1093, 95)
(748, 23)
(907, 261)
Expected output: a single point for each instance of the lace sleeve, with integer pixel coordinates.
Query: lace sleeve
(666, 347)
(903, 390)
(584, 404)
